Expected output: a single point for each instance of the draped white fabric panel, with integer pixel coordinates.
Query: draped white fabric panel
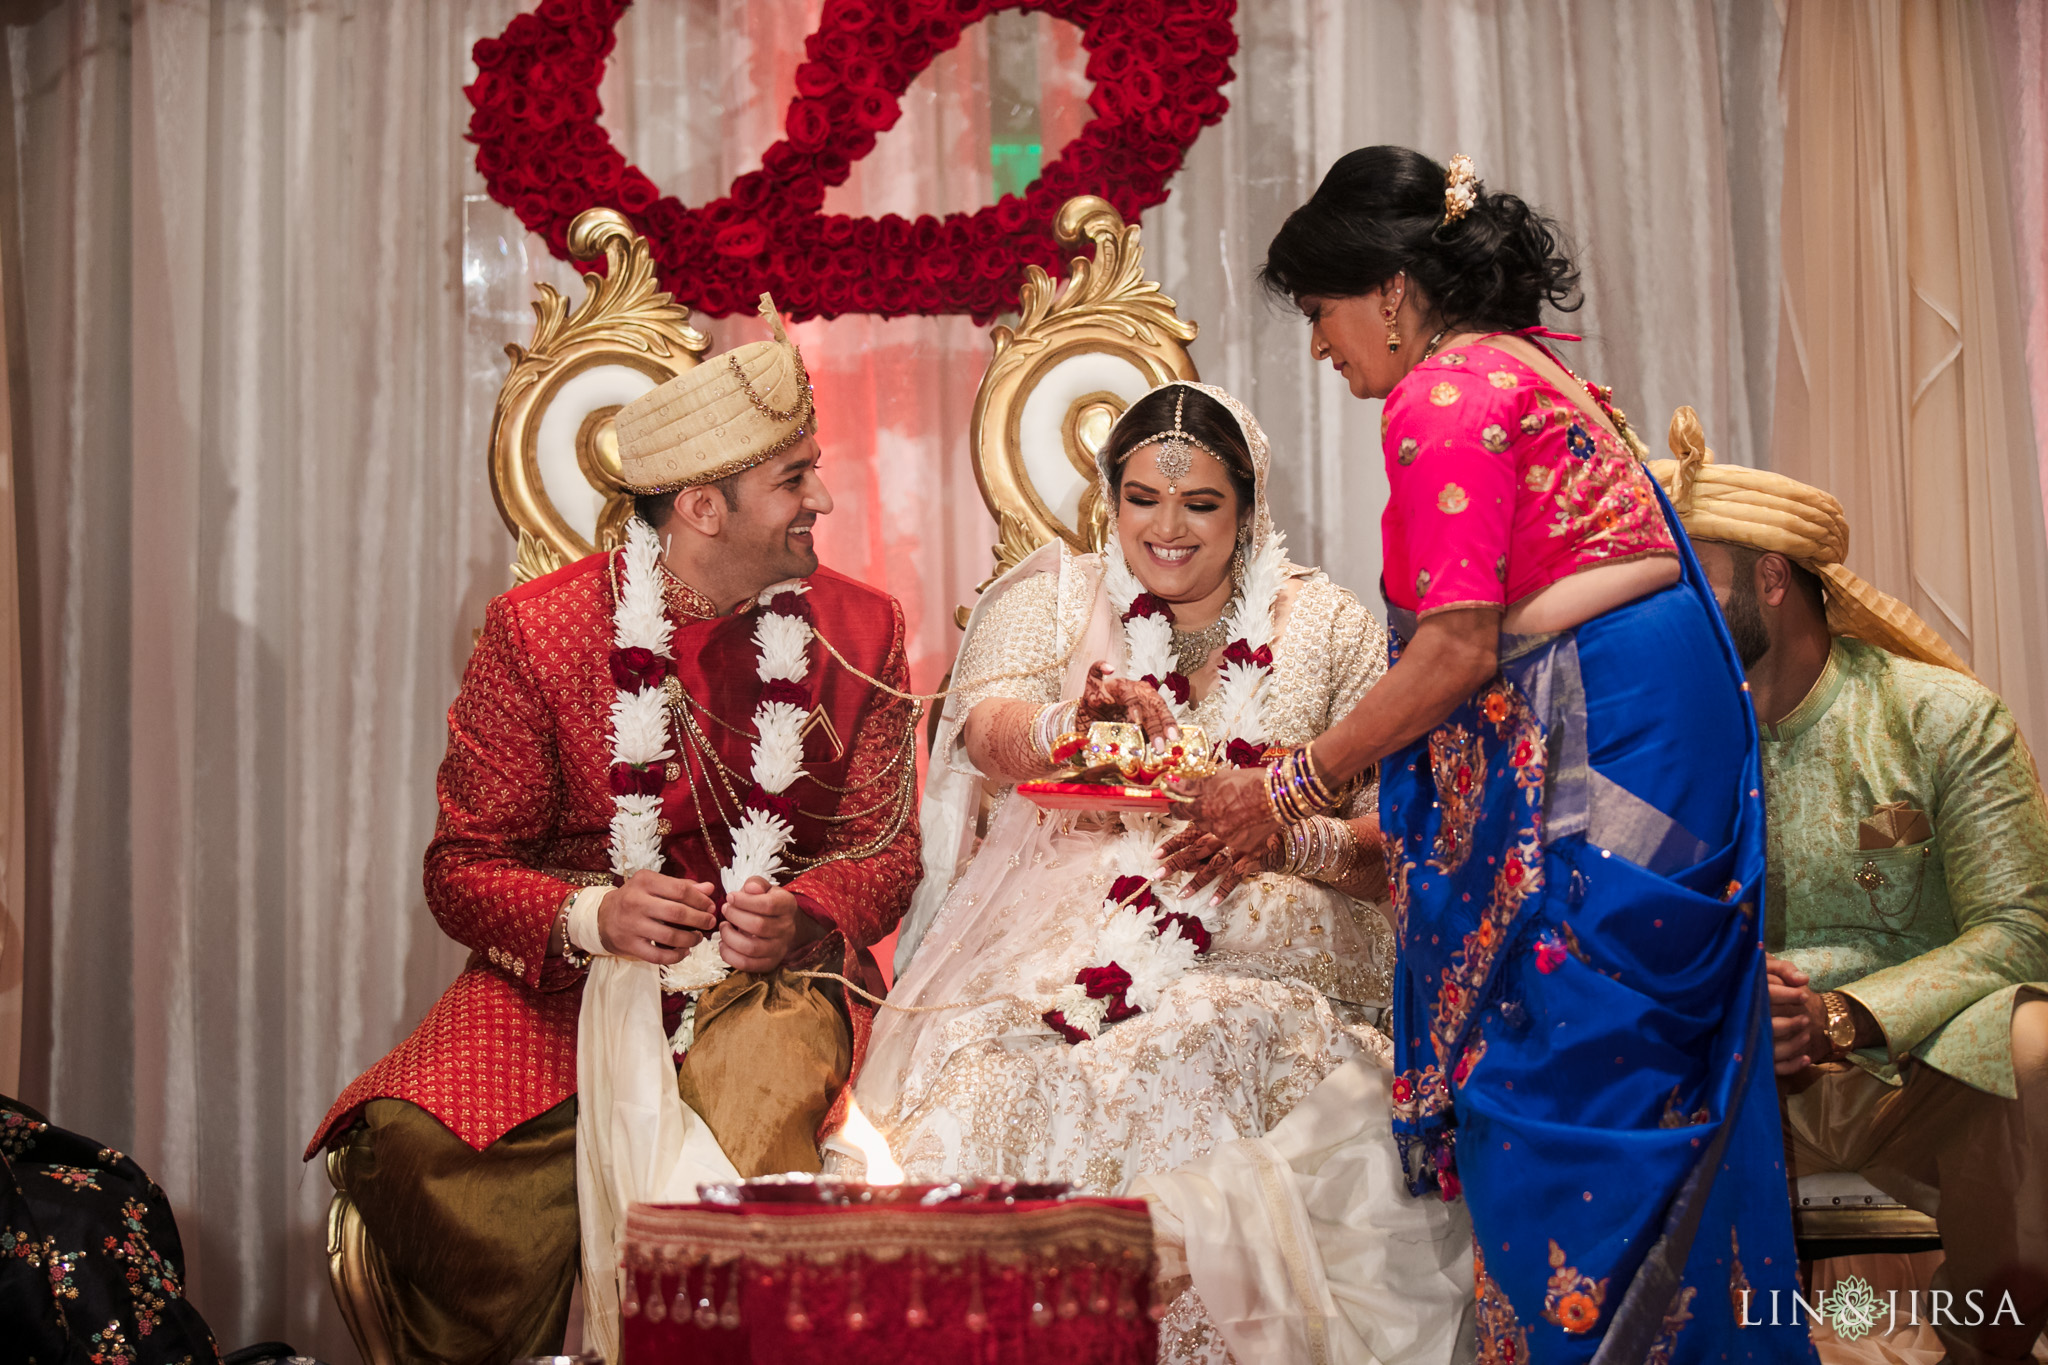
(257, 537)
(264, 305)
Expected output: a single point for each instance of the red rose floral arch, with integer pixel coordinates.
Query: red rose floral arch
(1158, 68)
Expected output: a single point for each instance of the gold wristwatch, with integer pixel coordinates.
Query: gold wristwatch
(1841, 1026)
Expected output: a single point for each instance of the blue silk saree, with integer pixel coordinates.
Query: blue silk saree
(1582, 1042)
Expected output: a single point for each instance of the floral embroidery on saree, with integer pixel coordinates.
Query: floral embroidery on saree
(1398, 869)
(1571, 1300)
(1465, 980)
(1662, 1349)
(110, 1346)
(1502, 1338)
(1738, 1282)
(1674, 1115)
(1419, 1094)
(18, 1132)
(1457, 761)
(152, 1282)
(1475, 1050)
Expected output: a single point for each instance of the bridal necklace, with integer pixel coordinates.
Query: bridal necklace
(1192, 648)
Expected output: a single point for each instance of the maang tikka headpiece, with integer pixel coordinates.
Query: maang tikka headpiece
(1176, 454)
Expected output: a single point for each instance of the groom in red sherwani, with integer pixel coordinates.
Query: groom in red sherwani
(460, 1143)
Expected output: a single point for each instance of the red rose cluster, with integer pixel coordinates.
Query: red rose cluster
(1111, 981)
(1158, 68)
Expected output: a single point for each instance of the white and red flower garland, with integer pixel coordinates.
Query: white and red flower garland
(1136, 957)
(642, 658)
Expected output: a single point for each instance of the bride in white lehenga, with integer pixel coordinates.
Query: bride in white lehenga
(1242, 1089)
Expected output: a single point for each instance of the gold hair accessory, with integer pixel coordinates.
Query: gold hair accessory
(1176, 453)
(1461, 188)
(1176, 458)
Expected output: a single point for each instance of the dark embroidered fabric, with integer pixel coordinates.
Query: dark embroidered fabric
(91, 1271)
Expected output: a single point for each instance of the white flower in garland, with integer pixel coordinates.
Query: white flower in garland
(761, 835)
(1142, 940)
(778, 756)
(643, 654)
(1248, 658)
(640, 626)
(642, 633)
(1148, 636)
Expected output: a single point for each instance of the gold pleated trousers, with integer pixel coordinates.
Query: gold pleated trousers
(478, 1248)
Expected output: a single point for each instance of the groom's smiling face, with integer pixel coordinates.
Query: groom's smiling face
(1178, 537)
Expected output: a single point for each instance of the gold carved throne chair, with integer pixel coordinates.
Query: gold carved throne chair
(554, 451)
(554, 469)
(1082, 350)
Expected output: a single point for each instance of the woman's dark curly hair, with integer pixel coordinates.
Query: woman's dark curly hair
(1203, 418)
(1380, 212)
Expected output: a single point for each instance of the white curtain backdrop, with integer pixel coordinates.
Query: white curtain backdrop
(1615, 118)
(264, 302)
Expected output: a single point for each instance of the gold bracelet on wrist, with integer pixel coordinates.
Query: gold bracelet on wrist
(574, 958)
(1297, 791)
(1322, 847)
(1052, 722)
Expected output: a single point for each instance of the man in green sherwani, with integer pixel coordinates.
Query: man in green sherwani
(1907, 892)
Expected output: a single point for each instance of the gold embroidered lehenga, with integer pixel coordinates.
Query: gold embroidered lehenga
(1281, 1008)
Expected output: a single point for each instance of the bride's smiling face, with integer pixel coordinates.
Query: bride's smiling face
(1179, 544)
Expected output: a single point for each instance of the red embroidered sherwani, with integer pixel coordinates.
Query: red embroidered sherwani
(526, 810)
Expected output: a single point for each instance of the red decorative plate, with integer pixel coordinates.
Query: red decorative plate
(1094, 796)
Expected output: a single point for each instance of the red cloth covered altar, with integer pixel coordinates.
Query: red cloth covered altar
(990, 1284)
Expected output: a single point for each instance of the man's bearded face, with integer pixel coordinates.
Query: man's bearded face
(778, 502)
(1731, 570)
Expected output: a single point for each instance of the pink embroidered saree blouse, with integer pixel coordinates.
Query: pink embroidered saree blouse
(1501, 486)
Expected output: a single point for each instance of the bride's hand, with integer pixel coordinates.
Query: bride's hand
(1210, 859)
(1108, 697)
(1231, 805)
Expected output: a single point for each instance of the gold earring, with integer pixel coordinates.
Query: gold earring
(1393, 332)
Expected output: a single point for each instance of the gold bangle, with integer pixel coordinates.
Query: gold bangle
(1321, 847)
(1295, 789)
(1317, 787)
(1052, 721)
(1012, 748)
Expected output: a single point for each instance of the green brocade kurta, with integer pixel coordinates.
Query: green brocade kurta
(1935, 938)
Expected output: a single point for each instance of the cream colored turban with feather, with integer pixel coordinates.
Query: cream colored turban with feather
(1772, 513)
(721, 417)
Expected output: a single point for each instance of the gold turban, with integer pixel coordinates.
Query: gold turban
(719, 418)
(1772, 513)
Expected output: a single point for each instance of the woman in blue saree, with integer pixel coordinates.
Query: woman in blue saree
(1569, 797)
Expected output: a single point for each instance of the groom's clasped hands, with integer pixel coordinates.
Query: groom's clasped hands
(658, 919)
